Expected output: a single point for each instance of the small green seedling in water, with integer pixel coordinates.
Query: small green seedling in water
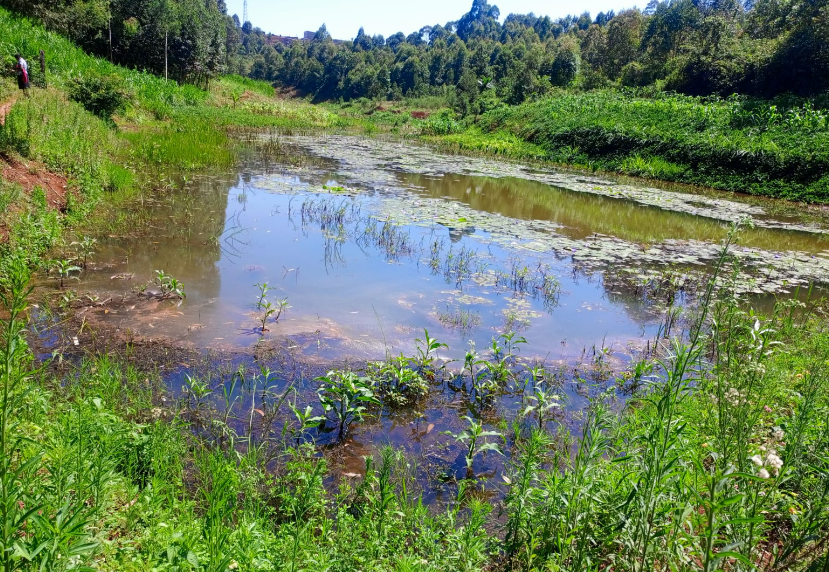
(263, 293)
(170, 287)
(267, 308)
(470, 437)
(347, 396)
(67, 298)
(64, 269)
(426, 348)
(197, 390)
(306, 420)
(544, 403)
(86, 248)
(511, 343)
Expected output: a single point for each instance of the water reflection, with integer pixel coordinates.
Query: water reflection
(582, 215)
(360, 285)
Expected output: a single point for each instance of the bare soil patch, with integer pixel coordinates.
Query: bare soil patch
(4, 110)
(31, 174)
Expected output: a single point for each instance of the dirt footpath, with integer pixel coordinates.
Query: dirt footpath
(4, 110)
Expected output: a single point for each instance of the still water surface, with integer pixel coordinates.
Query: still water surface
(359, 287)
(371, 242)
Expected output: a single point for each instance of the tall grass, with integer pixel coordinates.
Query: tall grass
(677, 138)
(61, 134)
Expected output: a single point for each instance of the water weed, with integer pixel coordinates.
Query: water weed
(347, 396)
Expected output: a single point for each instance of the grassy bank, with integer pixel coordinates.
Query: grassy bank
(769, 148)
(715, 460)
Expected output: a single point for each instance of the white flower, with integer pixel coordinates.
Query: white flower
(774, 461)
(763, 474)
(757, 460)
(778, 434)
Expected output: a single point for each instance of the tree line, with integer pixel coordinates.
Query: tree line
(696, 47)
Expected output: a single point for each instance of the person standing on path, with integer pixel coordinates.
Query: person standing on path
(22, 69)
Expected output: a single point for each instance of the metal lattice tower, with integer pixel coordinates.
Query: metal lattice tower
(245, 12)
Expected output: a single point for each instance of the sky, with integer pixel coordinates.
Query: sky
(344, 17)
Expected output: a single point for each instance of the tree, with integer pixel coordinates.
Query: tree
(322, 36)
(624, 35)
(395, 40)
(362, 41)
(565, 66)
(480, 21)
(594, 50)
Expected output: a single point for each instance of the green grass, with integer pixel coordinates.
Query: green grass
(494, 143)
(726, 144)
(191, 146)
(27, 224)
(62, 135)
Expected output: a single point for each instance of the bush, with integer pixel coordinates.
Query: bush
(634, 74)
(103, 95)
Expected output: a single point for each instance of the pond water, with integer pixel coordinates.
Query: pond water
(369, 242)
(368, 252)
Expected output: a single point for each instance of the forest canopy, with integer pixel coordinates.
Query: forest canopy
(698, 47)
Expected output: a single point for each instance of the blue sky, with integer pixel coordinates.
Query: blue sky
(344, 17)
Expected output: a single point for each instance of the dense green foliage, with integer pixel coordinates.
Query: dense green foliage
(189, 38)
(735, 144)
(102, 95)
(763, 48)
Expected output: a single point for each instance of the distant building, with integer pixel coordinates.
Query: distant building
(273, 39)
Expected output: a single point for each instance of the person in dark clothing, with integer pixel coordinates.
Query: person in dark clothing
(22, 69)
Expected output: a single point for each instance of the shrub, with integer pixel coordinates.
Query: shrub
(103, 95)
(634, 74)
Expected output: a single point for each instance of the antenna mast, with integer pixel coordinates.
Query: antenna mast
(245, 12)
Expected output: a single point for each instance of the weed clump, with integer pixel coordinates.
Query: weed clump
(103, 95)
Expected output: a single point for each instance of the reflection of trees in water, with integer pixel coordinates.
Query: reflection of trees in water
(646, 294)
(186, 232)
(341, 220)
(581, 214)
